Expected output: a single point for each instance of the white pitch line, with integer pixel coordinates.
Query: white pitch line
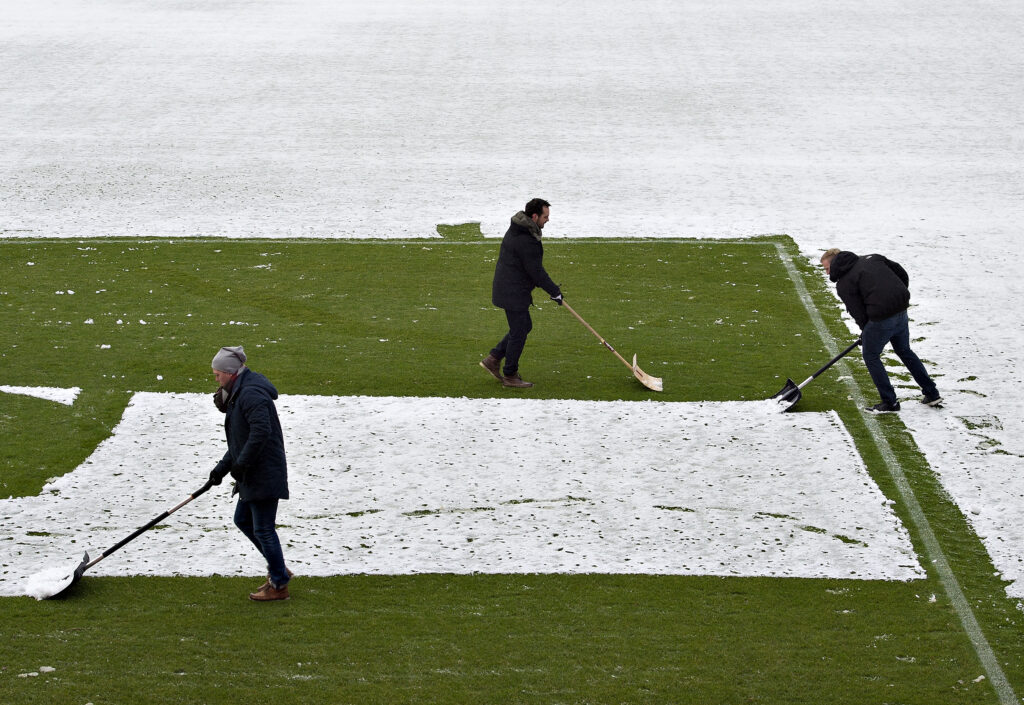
(947, 577)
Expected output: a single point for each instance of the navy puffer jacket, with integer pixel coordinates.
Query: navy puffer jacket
(255, 455)
(872, 287)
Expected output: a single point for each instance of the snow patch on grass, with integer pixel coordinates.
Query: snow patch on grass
(57, 394)
(392, 485)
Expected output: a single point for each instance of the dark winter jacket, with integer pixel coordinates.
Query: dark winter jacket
(520, 266)
(872, 287)
(255, 455)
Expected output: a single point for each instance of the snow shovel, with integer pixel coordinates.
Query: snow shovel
(652, 383)
(61, 586)
(789, 395)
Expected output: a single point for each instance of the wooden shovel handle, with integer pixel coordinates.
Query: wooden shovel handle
(597, 335)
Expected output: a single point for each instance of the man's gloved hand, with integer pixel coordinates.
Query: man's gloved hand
(215, 479)
(557, 299)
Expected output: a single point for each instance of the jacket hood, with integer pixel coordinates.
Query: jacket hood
(251, 379)
(524, 221)
(841, 264)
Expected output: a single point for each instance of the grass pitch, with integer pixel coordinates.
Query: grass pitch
(716, 320)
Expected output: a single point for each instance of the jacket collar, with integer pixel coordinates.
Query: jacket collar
(524, 221)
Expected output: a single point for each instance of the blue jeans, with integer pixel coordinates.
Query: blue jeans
(511, 346)
(896, 330)
(258, 520)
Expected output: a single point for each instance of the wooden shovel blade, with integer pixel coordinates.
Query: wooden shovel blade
(652, 383)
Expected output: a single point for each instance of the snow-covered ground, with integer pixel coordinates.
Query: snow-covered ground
(409, 485)
(64, 396)
(874, 126)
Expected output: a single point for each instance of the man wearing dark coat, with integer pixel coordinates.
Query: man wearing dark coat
(519, 270)
(874, 290)
(255, 458)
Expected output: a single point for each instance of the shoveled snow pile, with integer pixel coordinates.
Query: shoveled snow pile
(49, 581)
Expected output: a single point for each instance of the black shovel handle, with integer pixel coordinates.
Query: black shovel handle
(835, 359)
(151, 524)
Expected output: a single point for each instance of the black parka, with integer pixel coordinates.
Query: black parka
(520, 268)
(872, 287)
(255, 455)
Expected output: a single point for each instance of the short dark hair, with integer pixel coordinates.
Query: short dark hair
(536, 206)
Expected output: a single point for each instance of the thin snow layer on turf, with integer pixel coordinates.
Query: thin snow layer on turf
(409, 485)
(341, 118)
(57, 394)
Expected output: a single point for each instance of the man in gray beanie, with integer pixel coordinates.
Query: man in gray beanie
(255, 458)
(228, 361)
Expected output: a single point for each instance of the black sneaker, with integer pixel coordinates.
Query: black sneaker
(883, 408)
(932, 401)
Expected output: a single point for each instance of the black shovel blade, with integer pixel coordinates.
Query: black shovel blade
(62, 590)
(788, 396)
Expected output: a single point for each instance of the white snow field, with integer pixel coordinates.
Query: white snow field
(876, 126)
(409, 485)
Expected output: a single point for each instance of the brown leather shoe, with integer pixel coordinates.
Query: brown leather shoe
(270, 593)
(492, 365)
(516, 381)
(267, 584)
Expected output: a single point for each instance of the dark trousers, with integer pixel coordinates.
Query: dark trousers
(258, 520)
(511, 346)
(895, 330)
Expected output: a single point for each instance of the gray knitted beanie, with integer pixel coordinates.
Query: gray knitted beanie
(229, 359)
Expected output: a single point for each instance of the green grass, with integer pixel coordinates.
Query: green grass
(716, 320)
(472, 639)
